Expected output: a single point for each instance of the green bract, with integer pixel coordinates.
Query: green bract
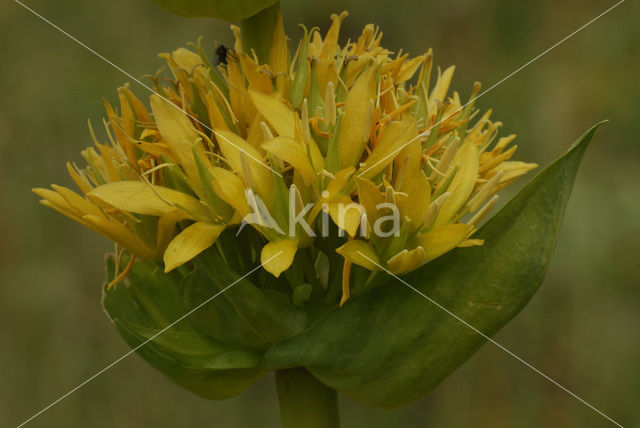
(387, 346)
(228, 10)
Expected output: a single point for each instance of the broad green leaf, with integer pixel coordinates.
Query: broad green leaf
(227, 10)
(243, 315)
(142, 306)
(390, 346)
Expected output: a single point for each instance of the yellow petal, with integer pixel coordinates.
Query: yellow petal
(346, 214)
(237, 89)
(80, 180)
(145, 198)
(511, 170)
(356, 118)
(442, 85)
(54, 200)
(186, 59)
(370, 197)
(409, 68)
(442, 239)
(338, 184)
(294, 153)
(80, 204)
(389, 145)
(190, 242)
(416, 203)
(360, 253)
(230, 187)
(331, 39)
(165, 231)
(277, 256)
(406, 261)
(280, 116)
(462, 184)
(255, 74)
(179, 134)
(215, 115)
(279, 54)
(255, 172)
(120, 234)
(120, 134)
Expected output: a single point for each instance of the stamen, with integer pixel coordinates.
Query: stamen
(346, 276)
(480, 215)
(446, 159)
(122, 274)
(330, 105)
(485, 191)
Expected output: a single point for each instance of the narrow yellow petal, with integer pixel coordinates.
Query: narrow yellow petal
(145, 198)
(442, 85)
(406, 260)
(331, 39)
(120, 234)
(190, 242)
(165, 231)
(369, 196)
(389, 145)
(462, 184)
(279, 54)
(258, 80)
(179, 134)
(294, 153)
(408, 69)
(187, 60)
(81, 182)
(277, 256)
(231, 188)
(255, 171)
(360, 253)
(55, 201)
(80, 204)
(346, 214)
(442, 239)
(279, 115)
(416, 204)
(356, 118)
(511, 170)
(215, 115)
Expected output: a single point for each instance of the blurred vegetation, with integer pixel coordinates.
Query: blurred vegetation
(581, 328)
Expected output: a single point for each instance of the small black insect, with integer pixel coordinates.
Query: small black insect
(221, 55)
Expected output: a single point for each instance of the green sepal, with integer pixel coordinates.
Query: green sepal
(391, 346)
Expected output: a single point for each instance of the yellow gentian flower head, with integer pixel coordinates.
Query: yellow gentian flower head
(349, 148)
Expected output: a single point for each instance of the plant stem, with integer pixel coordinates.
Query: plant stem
(305, 401)
(257, 32)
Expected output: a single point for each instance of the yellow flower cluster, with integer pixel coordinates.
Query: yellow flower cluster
(288, 145)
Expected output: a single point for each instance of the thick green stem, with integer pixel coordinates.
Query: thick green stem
(257, 32)
(305, 401)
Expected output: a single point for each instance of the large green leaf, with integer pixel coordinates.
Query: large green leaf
(146, 303)
(216, 350)
(228, 10)
(390, 346)
(244, 315)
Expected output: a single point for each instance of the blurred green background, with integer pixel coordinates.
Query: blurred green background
(581, 328)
